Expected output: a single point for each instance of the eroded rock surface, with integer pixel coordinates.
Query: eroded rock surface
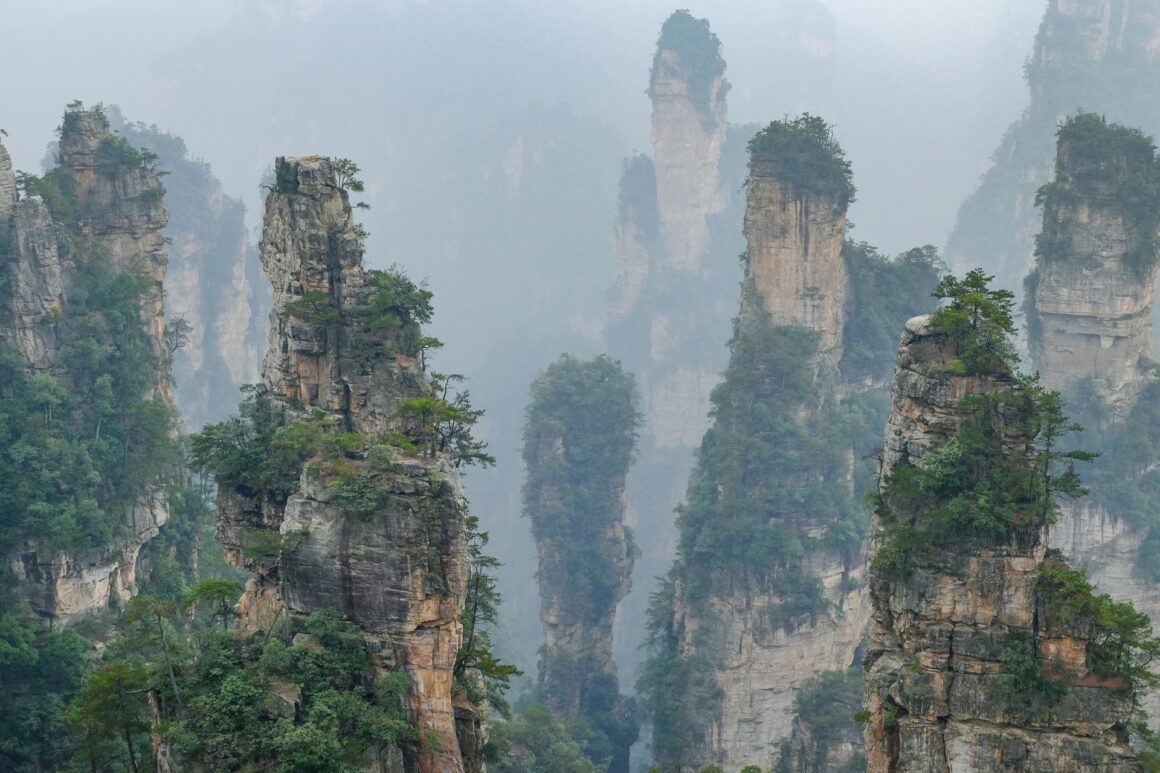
(940, 635)
(400, 573)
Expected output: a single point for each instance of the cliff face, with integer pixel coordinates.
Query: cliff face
(107, 211)
(764, 594)
(1093, 293)
(1095, 281)
(795, 257)
(688, 90)
(949, 631)
(400, 568)
(1096, 55)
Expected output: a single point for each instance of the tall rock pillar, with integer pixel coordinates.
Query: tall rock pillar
(392, 559)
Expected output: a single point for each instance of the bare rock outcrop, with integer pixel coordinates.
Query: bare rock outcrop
(396, 564)
(795, 254)
(948, 631)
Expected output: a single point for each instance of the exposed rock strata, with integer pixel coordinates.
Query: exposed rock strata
(402, 574)
(940, 634)
(795, 257)
(1093, 301)
(119, 218)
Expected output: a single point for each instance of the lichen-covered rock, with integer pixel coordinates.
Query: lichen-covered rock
(400, 572)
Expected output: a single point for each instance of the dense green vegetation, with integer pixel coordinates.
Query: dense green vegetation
(973, 490)
(884, 293)
(1106, 165)
(805, 155)
(826, 705)
(579, 439)
(84, 443)
(698, 60)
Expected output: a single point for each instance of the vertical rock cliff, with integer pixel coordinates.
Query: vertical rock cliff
(766, 589)
(795, 226)
(987, 652)
(1090, 305)
(1095, 278)
(687, 88)
(371, 530)
(1096, 55)
(578, 443)
(84, 260)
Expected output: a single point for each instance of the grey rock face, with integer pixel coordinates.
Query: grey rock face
(939, 636)
(402, 572)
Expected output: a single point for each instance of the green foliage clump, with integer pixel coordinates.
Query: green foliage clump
(579, 436)
(1022, 687)
(884, 294)
(675, 690)
(805, 155)
(979, 321)
(998, 479)
(1120, 642)
(698, 60)
(395, 308)
(442, 422)
(1111, 166)
(537, 742)
(256, 452)
(826, 706)
(80, 447)
(309, 701)
(763, 475)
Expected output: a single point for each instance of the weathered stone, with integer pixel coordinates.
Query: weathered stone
(401, 574)
(932, 683)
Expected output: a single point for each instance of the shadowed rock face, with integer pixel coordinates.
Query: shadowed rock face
(402, 573)
(939, 635)
(119, 218)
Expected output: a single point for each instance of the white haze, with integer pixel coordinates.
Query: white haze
(491, 131)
